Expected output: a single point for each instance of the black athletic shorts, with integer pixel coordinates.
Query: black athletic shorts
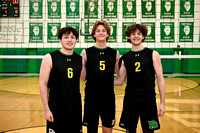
(65, 122)
(145, 109)
(106, 110)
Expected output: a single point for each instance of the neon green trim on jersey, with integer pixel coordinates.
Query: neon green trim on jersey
(66, 54)
(138, 50)
(101, 48)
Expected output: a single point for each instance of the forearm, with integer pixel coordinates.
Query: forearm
(83, 74)
(44, 97)
(118, 81)
(121, 77)
(161, 87)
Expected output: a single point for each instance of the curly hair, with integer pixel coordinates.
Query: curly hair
(97, 23)
(132, 28)
(67, 30)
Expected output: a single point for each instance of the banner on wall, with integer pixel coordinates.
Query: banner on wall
(91, 9)
(148, 8)
(124, 26)
(129, 8)
(113, 32)
(89, 38)
(167, 31)
(75, 25)
(186, 31)
(110, 8)
(72, 9)
(52, 32)
(167, 9)
(11, 33)
(35, 9)
(150, 37)
(54, 9)
(36, 32)
(186, 8)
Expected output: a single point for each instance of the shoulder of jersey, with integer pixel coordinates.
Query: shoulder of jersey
(90, 48)
(127, 53)
(53, 53)
(77, 55)
(112, 49)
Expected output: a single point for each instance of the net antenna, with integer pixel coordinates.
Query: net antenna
(88, 22)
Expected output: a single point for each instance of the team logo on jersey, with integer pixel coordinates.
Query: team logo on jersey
(153, 124)
(101, 53)
(51, 130)
(69, 59)
(137, 55)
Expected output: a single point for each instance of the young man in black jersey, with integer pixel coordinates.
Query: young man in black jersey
(60, 73)
(100, 62)
(139, 66)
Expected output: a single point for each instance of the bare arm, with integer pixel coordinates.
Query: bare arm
(84, 60)
(117, 63)
(122, 75)
(160, 81)
(45, 70)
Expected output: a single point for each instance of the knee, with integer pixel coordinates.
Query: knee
(106, 129)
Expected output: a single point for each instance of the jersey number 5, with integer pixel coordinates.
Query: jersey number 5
(70, 73)
(102, 65)
(137, 69)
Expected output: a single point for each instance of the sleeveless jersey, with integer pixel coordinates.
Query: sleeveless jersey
(64, 82)
(100, 69)
(140, 74)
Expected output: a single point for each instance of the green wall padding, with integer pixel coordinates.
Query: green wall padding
(32, 64)
(191, 65)
(13, 65)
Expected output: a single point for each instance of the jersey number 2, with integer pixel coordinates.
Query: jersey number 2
(102, 65)
(70, 73)
(137, 69)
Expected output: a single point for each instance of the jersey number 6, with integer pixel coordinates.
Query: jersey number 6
(70, 73)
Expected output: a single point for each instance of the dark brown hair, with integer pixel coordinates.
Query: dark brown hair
(132, 28)
(67, 30)
(97, 23)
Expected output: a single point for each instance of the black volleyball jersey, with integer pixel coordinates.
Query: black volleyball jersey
(140, 74)
(64, 82)
(100, 69)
